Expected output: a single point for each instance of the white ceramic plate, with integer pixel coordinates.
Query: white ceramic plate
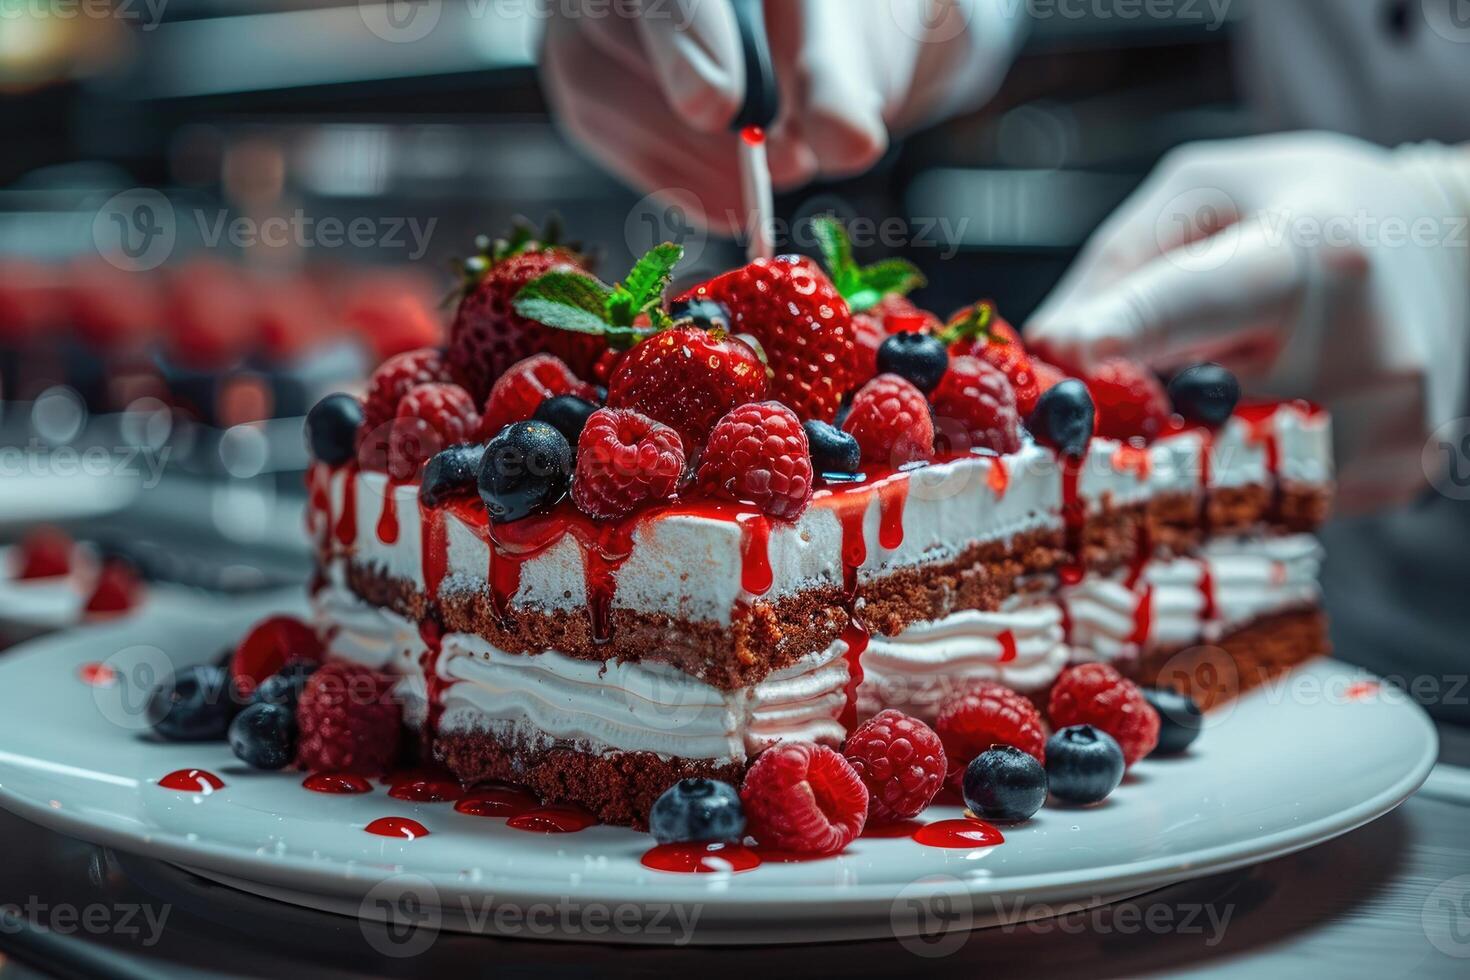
(1314, 756)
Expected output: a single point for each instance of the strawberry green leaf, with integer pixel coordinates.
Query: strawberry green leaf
(972, 324)
(566, 301)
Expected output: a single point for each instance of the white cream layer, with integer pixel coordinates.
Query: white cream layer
(593, 705)
(1249, 577)
(918, 669)
(690, 567)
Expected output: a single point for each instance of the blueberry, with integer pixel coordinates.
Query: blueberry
(833, 451)
(285, 686)
(331, 429)
(527, 467)
(195, 705)
(451, 473)
(1004, 784)
(916, 357)
(1180, 720)
(1083, 765)
(707, 313)
(263, 736)
(1205, 394)
(697, 810)
(1063, 418)
(568, 414)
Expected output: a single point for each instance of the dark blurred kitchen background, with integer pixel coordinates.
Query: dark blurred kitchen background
(213, 211)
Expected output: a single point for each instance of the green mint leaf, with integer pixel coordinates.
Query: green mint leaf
(566, 301)
(862, 300)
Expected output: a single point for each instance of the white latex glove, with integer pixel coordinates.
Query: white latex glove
(1313, 265)
(653, 95)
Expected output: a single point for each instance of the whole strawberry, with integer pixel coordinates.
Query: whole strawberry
(801, 322)
(349, 720)
(980, 332)
(688, 377)
(975, 408)
(1131, 402)
(759, 452)
(489, 335)
(625, 460)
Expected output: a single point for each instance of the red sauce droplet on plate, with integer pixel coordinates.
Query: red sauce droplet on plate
(700, 858)
(965, 832)
(397, 827)
(428, 789)
(553, 819)
(192, 781)
(497, 801)
(1007, 646)
(337, 783)
(97, 675)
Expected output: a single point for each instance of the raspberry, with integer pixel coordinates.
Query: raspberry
(522, 389)
(975, 407)
(891, 422)
(1097, 695)
(759, 453)
(393, 379)
(430, 418)
(805, 798)
(348, 720)
(802, 323)
(688, 377)
(1131, 403)
(979, 331)
(901, 761)
(623, 461)
(269, 646)
(987, 714)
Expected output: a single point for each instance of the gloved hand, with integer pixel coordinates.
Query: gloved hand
(1314, 266)
(653, 95)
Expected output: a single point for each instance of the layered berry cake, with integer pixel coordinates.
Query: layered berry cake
(607, 539)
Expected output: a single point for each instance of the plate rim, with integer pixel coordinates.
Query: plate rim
(329, 877)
